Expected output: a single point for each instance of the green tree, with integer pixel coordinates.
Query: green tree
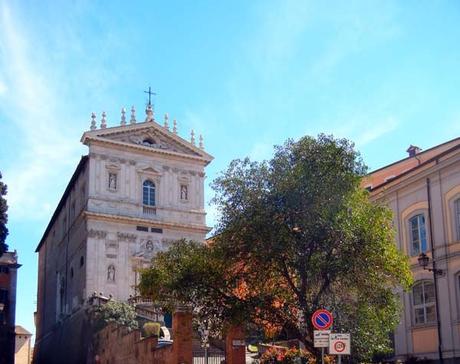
(3, 217)
(296, 233)
(119, 313)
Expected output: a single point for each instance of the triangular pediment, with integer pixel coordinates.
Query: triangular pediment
(147, 136)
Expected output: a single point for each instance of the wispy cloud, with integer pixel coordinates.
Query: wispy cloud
(42, 149)
(363, 130)
(374, 131)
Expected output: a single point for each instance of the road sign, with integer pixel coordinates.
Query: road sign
(339, 344)
(321, 338)
(322, 319)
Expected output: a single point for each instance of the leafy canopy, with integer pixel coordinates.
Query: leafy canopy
(119, 313)
(296, 233)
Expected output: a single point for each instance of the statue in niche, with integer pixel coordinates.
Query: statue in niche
(111, 273)
(183, 192)
(112, 181)
(149, 246)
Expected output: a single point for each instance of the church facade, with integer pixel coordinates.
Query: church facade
(139, 189)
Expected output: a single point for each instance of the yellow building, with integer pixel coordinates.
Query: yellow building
(423, 190)
(23, 348)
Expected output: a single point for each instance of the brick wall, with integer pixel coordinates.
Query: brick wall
(117, 345)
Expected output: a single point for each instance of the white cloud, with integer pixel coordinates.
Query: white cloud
(363, 130)
(369, 133)
(43, 150)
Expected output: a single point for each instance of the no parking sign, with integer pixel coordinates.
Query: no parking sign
(322, 319)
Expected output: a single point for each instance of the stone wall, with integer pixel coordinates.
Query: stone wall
(117, 345)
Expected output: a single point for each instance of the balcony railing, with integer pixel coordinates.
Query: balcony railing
(149, 210)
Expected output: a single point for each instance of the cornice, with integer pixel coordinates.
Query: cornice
(137, 220)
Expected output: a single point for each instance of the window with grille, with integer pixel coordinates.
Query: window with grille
(417, 234)
(424, 303)
(457, 217)
(148, 194)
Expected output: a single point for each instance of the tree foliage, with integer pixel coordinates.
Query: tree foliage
(296, 233)
(119, 313)
(3, 217)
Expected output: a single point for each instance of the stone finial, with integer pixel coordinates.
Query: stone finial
(133, 115)
(150, 113)
(192, 137)
(103, 120)
(175, 126)
(166, 125)
(93, 121)
(123, 117)
(201, 142)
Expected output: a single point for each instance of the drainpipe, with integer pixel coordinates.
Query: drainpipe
(435, 280)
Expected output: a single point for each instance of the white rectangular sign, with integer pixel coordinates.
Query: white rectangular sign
(321, 338)
(339, 344)
(239, 343)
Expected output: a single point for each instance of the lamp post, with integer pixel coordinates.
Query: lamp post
(423, 261)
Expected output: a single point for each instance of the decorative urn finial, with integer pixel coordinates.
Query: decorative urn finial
(133, 115)
(93, 121)
(192, 137)
(174, 126)
(201, 142)
(103, 120)
(123, 117)
(166, 124)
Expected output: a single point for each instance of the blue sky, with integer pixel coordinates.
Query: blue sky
(245, 74)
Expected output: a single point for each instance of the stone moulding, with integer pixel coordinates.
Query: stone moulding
(126, 237)
(98, 234)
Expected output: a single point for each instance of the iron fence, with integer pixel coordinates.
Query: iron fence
(214, 356)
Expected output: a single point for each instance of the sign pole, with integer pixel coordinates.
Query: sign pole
(340, 359)
(322, 355)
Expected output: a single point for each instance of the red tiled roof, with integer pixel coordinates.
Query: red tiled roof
(396, 169)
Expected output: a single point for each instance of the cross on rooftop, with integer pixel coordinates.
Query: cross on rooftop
(150, 95)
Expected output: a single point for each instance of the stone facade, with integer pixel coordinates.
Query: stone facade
(405, 186)
(140, 188)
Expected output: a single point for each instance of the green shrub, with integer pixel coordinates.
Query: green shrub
(151, 329)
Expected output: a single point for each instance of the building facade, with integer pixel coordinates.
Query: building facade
(23, 346)
(140, 188)
(8, 281)
(423, 191)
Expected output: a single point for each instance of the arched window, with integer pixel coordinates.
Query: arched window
(417, 234)
(457, 216)
(423, 301)
(148, 195)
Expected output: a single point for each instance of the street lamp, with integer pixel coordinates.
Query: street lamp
(423, 261)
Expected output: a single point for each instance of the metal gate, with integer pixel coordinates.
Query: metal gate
(215, 356)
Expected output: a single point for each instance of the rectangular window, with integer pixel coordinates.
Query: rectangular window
(457, 217)
(3, 295)
(142, 228)
(423, 301)
(73, 210)
(156, 230)
(4, 269)
(417, 234)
